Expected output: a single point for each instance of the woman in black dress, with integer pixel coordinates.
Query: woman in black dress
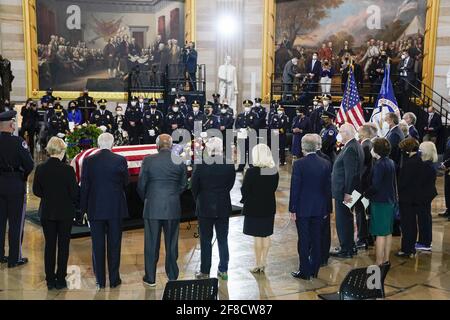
(258, 196)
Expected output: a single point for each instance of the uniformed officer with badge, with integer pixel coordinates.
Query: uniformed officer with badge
(195, 116)
(262, 114)
(47, 98)
(216, 103)
(15, 166)
(279, 125)
(133, 116)
(103, 117)
(327, 103)
(174, 120)
(212, 121)
(274, 104)
(30, 123)
(86, 104)
(315, 116)
(184, 107)
(58, 124)
(328, 135)
(244, 122)
(152, 122)
(120, 130)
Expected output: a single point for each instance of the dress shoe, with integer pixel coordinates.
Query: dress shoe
(362, 245)
(148, 283)
(299, 275)
(445, 214)
(116, 284)
(100, 287)
(342, 254)
(201, 275)
(60, 285)
(402, 254)
(51, 285)
(21, 262)
(4, 259)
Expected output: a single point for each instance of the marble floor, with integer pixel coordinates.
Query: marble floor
(425, 277)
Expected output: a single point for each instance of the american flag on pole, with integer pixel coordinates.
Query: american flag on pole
(351, 110)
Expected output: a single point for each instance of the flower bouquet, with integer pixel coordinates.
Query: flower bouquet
(81, 138)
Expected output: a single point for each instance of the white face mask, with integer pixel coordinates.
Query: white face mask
(315, 103)
(326, 103)
(339, 138)
(195, 109)
(403, 56)
(314, 57)
(258, 104)
(223, 111)
(280, 113)
(247, 109)
(133, 103)
(175, 109)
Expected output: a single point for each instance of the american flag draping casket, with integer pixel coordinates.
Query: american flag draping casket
(133, 154)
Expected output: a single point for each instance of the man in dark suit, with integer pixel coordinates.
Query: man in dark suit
(190, 55)
(162, 180)
(103, 180)
(346, 177)
(433, 127)
(211, 184)
(407, 76)
(308, 204)
(313, 69)
(366, 133)
(395, 136)
(411, 119)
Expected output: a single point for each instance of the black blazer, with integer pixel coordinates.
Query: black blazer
(103, 180)
(368, 163)
(395, 136)
(316, 70)
(211, 186)
(409, 181)
(428, 183)
(258, 193)
(55, 183)
(434, 126)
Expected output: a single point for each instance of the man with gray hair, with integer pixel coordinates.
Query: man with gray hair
(104, 177)
(308, 204)
(212, 182)
(161, 182)
(411, 119)
(346, 178)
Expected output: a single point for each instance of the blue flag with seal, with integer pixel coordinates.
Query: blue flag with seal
(386, 103)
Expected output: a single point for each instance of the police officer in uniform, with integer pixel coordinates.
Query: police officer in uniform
(212, 121)
(15, 166)
(174, 120)
(119, 128)
(245, 121)
(184, 107)
(134, 122)
(316, 116)
(328, 135)
(58, 124)
(280, 125)
(153, 123)
(226, 122)
(262, 114)
(86, 104)
(48, 97)
(327, 103)
(273, 109)
(103, 117)
(30, 123)
(300, 126)
(216, 104)
(193, 117)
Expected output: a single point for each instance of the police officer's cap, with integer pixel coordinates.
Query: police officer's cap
(102, 101)
(58, 106)
(326, 97)
(152, 101)
(301, 109)
(327, 114)
(258, 100)
(208, 106)
(58, 99)
(7, 115)
(210, 103)
(224, 106)
(247, 103)
(75, 102)
(49, 89)
(316, 98)
(216, 95)
(135, 98)
(196, 103)
(280, 108)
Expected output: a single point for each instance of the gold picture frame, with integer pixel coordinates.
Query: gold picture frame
(430, 39)
(31, 54)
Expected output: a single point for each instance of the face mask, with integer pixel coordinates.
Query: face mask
(102, 107)
(195, 109)
(208, 112)
(314, 57)
(133, 103)
(403, 56)
(175, 109)
(339, 138)
(183, 102)
(315, 103)
(223, 111)
(247, 109)
(258, 104)
(357, 136)
(280, 113)
(326, 103)
(298, 114)
(119, 112)
(153, 107)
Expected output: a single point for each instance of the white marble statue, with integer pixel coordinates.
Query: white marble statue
(228, 83)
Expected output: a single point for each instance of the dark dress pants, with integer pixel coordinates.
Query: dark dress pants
(152, 244)
(11, 211)
(57, 237)
(408, 224)
(344, 227)
(424, 221)
(106, 236)
(361, 222)
(326, 240)
(282, 148)
(244, 158)
(207, 226)
(447, 191)
(309, 243)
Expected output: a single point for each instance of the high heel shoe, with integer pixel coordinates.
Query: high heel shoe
(262, 269)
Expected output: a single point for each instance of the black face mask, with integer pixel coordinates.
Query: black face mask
(102, 107)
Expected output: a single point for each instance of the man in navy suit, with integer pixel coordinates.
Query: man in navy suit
(313, 69)
(395, 136)
(434, 126)
(411, 119)
(103, 180)
(308, 204)
(191, 65)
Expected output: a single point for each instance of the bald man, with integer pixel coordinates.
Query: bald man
(161, 182)
(346, 177)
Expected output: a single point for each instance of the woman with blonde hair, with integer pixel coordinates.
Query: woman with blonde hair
(428, 153)
(56, 185)
(258, 196)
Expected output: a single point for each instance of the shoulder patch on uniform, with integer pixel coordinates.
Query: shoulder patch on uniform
(331, 133)
(25, 145)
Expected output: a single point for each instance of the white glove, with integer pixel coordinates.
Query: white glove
(61, 135)
(103, 128)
